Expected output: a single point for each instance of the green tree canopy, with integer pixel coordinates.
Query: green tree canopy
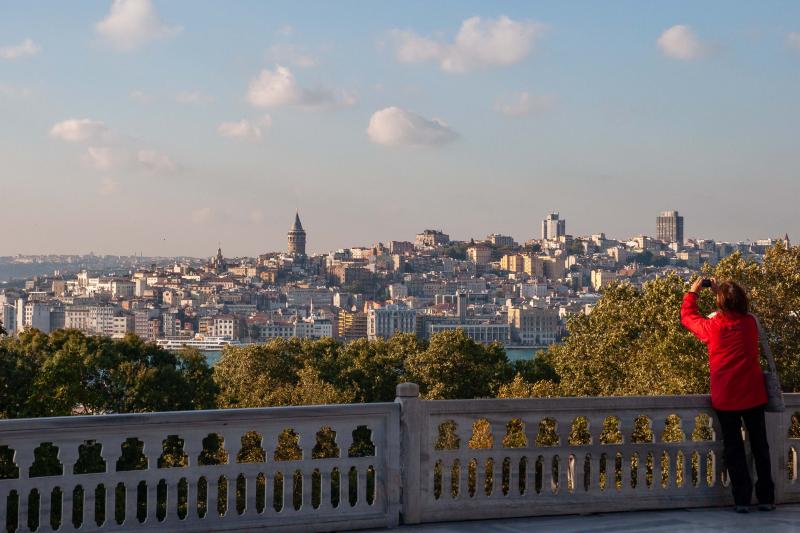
(455, 366)
(68, 372)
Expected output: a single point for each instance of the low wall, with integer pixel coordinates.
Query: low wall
(357, 466)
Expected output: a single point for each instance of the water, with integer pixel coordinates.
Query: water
(522, 353)
(212, 356)
(514, 353)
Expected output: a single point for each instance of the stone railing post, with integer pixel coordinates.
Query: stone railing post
(410, 440)
(776, 436)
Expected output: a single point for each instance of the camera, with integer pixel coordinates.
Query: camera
(705, 283)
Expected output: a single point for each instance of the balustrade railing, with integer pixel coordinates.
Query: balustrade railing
(367, 465)
(471, 459)
(288, 468)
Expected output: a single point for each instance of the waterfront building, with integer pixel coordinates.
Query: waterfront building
(383, 322)
(534, 326)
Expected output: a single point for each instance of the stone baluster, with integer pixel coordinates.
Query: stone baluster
(562, 430)
(153, 449)
(498, 430)
(625, 429)
(193, 447)
(269, 442)
(345, 434)
(308, 438)
(231, 440)
(110, 451)
(463, 430)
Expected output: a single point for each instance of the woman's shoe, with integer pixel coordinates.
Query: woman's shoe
(766, 507)
(742, 509)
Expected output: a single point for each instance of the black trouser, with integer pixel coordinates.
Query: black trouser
(735, 461)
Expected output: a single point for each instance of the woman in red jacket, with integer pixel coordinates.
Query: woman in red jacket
(737, 386)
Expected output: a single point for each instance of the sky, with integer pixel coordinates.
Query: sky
(169, 127)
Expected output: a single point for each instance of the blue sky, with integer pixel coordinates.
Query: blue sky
(166, 127)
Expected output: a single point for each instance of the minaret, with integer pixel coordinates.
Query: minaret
(297, 237)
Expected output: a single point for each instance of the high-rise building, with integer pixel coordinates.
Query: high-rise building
(669, 227)
(297, 237)
(553, 227)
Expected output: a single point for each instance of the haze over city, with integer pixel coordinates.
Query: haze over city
(168, 127)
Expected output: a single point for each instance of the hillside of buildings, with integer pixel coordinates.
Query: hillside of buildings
(630, 343)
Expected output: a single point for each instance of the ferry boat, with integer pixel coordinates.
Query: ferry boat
(200, 342)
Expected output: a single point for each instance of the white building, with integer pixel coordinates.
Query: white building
(36, 315)
(384, 322)
(225, 326)
(533, 290)
(484, 333)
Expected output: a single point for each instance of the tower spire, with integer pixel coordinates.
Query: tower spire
(297, 237)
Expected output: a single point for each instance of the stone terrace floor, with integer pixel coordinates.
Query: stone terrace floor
(786, 518)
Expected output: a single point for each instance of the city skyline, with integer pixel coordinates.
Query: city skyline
(166, 127)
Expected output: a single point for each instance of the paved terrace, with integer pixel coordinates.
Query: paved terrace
(428, 465)
(786, 519)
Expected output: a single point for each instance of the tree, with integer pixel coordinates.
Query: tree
(76, 373)
(455, 366)
(253, 376)
(632, 343)
(17, 374)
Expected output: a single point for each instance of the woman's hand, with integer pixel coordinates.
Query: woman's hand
(697, 286)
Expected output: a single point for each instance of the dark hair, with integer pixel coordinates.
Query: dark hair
(732, 298)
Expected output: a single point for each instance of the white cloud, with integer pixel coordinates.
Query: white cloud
(108, 186)
(793, 40)
(276, 88)
(192, 98)
(107, 149)
(202, 215)
(26, 48)
(133, 23)
(245, 129)
(80, 130)
(291, 54)
(102, 158)
(680, 42)
(393, 126)
(478, 43)
(155, 162)
(524, 103)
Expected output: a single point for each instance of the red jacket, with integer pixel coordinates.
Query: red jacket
(732, 339)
